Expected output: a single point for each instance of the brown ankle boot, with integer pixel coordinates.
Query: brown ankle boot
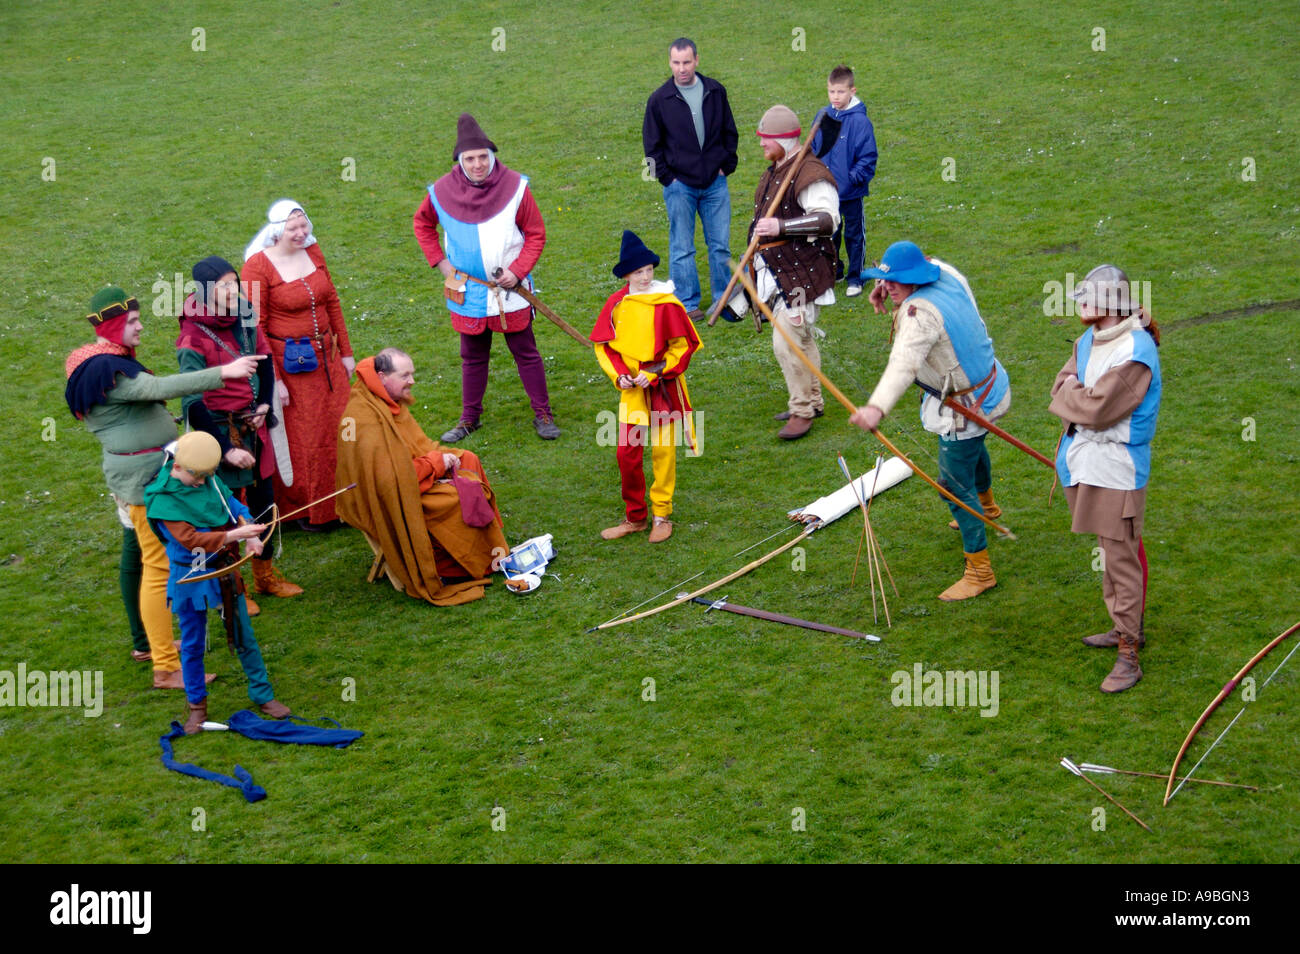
(977, 578)
(1127, 672)
(795, 428)
(198, 716)
(991, 510)
(275, 709)
(1110, 639)
(267, 579)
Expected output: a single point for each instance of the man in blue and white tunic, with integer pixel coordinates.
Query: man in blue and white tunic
(493, 236)
(1108, 395)
(940, 342)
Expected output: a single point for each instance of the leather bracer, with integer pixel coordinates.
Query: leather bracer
(818, 223)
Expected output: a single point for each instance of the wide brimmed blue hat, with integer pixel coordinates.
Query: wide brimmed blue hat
(904, 262)
(633, 255)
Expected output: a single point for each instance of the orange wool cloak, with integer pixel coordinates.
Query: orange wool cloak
(418, 530)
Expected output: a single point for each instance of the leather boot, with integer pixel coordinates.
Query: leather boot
(977, 578)
(1110, 640)
(662, 530)
(267, 579)
(795, 428)
(623, 529)
(1127, 672)
(991, 510)
(276, 710)
(253, 608)
(198, 716)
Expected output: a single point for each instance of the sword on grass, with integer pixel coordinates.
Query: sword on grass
(722, 604)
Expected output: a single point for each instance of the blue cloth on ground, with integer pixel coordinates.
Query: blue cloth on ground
(242, 780)
(249, 724)
(246, 722)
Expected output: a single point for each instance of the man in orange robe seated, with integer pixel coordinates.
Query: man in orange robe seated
(429, 508)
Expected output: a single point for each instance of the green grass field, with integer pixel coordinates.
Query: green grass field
(128, 154)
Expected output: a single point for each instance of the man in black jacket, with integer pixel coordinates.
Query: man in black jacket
(690, 142)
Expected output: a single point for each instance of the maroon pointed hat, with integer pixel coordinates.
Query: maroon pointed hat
(470, 135)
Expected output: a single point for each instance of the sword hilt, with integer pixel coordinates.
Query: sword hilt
(711, 604)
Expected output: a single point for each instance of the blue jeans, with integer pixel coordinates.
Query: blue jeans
(713, 205)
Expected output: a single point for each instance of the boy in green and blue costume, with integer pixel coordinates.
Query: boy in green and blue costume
(196, 517)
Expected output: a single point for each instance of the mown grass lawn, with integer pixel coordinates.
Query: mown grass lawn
(128, 154)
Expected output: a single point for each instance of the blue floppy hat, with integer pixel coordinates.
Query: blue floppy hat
(904, 262)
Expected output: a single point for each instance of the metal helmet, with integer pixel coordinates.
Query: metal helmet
(1105, 288)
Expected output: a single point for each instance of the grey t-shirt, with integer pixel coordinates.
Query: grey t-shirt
(694, 96)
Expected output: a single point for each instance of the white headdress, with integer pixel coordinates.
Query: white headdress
(276, 216)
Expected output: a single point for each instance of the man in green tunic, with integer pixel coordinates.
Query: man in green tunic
(124, 406)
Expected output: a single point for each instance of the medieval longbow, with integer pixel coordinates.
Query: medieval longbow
(711, 586)
(234, 567)
(276, 520)
(1226, 691)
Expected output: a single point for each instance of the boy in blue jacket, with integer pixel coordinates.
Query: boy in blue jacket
(846, 142)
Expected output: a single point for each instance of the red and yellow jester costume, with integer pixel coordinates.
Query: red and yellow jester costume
(649, 333)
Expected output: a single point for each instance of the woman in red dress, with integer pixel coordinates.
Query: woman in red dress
(296, 303)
